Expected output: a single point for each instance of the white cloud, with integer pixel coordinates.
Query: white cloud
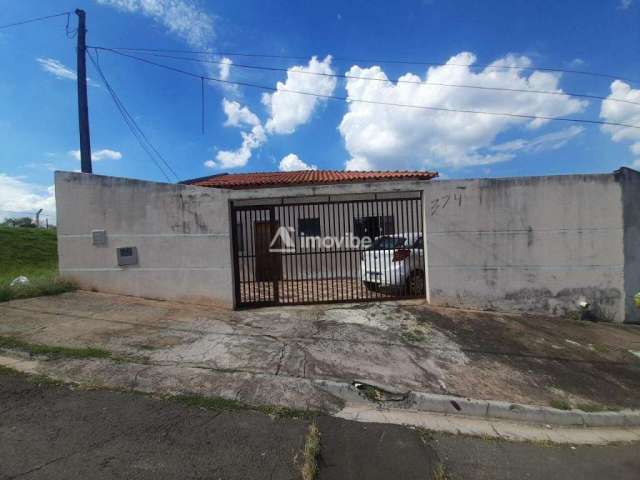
(99, 155)
(225, 68)
(238, 115)
(181, 17)
(625, 4)
(548, 141)
(387, 137)
(56, 68)
(60, 70)
(289, 110)
(292, 163)
(618, 112)
(19, 197)
(239, 158)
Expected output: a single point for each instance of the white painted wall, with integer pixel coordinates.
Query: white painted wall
(181, 232)
(533, 244)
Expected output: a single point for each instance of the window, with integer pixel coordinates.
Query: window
(388, 225)
(373, 227)
(366, 227)
(309, 227)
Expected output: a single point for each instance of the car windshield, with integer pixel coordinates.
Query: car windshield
(387, 243)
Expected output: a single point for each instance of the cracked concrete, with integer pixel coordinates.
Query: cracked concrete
(407, 345)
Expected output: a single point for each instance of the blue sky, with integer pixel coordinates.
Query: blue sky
(244, 131)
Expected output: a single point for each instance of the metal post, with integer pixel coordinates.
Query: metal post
(83, 107)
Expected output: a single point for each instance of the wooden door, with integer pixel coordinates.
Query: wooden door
(268, 263)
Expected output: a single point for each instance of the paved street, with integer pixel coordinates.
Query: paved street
(55, 432)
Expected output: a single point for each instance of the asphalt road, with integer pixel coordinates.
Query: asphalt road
(56, 432)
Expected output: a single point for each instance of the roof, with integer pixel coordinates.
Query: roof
(304, 177)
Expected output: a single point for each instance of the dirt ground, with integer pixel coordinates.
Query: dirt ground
(403, 345)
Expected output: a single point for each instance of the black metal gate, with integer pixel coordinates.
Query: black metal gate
(331, 251)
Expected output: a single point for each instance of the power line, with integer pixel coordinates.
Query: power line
(383, 61)
(391, 80)
(135, 129)
(31, 20)
(374, 102)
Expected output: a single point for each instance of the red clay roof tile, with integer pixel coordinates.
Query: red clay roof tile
(303, 177)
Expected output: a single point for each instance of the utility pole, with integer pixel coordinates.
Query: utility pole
(83, 105)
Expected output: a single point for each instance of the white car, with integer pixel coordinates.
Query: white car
(395, 261)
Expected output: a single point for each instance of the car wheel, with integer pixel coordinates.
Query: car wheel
(415, 283)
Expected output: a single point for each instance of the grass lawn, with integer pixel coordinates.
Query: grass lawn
(31, 252)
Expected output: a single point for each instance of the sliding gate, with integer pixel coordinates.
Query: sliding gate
(333, 251)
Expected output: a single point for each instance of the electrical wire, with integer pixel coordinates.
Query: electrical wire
(374, 102)
(135, 129)
(390, 80)
(382, 61)
(31, 20)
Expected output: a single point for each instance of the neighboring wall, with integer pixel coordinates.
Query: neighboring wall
(630, 181)
(181, 233)
(536, 244)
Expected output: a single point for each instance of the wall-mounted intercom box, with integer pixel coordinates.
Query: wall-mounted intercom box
(127, 256)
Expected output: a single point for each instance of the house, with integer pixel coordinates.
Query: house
(539, 244)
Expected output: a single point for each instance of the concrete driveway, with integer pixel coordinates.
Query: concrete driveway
(399, 345)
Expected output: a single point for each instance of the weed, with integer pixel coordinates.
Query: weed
(413, 336)
(52, 351)
(36, 288)
(9, 372)
(560, 404)
(595, 407)
(44, 380)
(371, 393)
(311, 452)
(600, 348)
(574, 315)
(426, 435)
(439, 472)
(220, 404)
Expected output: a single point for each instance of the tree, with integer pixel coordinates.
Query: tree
(23, 222)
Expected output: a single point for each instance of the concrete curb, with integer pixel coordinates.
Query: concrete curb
(490, 409)
(299, 392)
(493, 409)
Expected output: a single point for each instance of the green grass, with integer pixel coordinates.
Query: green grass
(31, 252)
(52, 351)
(560, 404)
(439, 472)
(595, 407)
(413, 336)
(311, 452)
(219, 404)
